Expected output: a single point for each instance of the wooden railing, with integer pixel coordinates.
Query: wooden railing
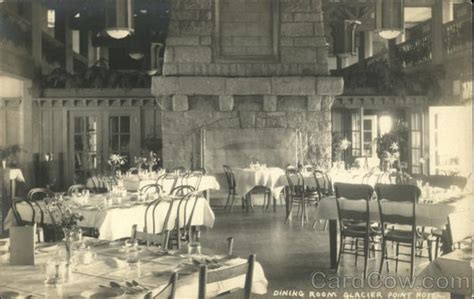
(457, 36)
(415, 51)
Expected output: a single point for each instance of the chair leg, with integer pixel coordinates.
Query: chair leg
(383, 256)
(397, 253)
(232, 202)
(356, 251)
(412, 259)
(366, 254)
(228, 200)
(430, 247)
(339, 256)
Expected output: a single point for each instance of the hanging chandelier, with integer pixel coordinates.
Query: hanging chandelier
(389, 18)
(119, 18)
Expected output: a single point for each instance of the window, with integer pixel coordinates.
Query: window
(84, 145)
(355, 134)
(119, 136)
(416, 149)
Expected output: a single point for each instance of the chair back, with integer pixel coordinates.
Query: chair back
(179, 170)
(182, 190)
(154, 211)
(97, 183)
(230, 177)
(194, 179)
(36, 194)
(150, 188)
(185, 215)
(167, 181)
(225, 273)
(323, 182)
(76, 189)
(19, 220)
(296, 183)
(459, 227)
(352, 192)
(389, 194)
(169, 291)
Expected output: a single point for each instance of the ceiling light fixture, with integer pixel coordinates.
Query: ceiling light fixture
(119, 18)
(389, 18)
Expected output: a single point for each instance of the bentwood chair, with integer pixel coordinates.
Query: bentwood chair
(155, 210)
(232, 192)
(34, 196)
(323, 183)
(391, 201)
(168, 292)
(167, 179)
(182, 190)
(24, 222)
(217, 275)
(355, 224)
(194, 179)
(297, 194)
(183, 229)
(78, 188)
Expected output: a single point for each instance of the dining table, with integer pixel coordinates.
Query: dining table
(113, 216)
(427, 214)
(107, 268)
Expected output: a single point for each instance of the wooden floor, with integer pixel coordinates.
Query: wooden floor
(289, 254)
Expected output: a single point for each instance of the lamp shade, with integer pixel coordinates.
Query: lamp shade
(136, 55)
(389, 18)
(119, 18)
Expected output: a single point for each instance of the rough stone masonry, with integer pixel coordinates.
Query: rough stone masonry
(245, 64)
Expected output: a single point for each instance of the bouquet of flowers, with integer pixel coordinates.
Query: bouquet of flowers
(116, 161)
(147, 162)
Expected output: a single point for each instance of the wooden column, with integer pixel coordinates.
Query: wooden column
(91, 50)
(36, 43)
(441, 12)
(69, 53)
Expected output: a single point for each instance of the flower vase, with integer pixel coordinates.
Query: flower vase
(68, 239)
(150, 168)
(4, 164)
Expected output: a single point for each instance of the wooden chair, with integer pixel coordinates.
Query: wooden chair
(76, 189)
(183, 230)
(391, 220)
(297, 194)
(232, 192)
(323, 183)
(193, 179)
(217, 275)
(151, 211)
(34, 196)
(182, 190)
(167, 177)
(355, 224)
(22, 222)
(168, 292)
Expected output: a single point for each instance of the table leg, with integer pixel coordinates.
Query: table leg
(446, 244)
(333, 242)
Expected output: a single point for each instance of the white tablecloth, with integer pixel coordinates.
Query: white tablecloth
(28, 280)
(116, 223)
(208, 182)
(247, 179)
(433, 215)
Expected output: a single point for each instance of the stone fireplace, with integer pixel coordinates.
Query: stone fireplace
(246, 65)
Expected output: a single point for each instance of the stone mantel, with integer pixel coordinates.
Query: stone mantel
(284, 86)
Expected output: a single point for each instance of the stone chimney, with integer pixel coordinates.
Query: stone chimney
(243, 64)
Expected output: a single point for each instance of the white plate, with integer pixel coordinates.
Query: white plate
(103, 293)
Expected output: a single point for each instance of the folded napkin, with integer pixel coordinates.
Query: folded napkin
(114, 262)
